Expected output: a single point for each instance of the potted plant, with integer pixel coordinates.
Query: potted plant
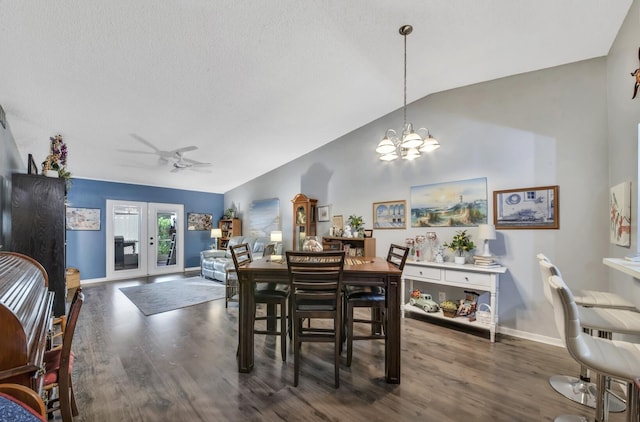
(459, 245)
(357, 225)
(229, 213)
(54, 164)
(449, 308)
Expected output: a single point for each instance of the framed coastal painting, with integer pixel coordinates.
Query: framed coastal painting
(620, 214)
(526, 208)
(83, 218)
(390, 215)
(461, 203)
(264, 217)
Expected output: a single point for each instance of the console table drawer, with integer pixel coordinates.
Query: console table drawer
(413, 271)
(467, 278)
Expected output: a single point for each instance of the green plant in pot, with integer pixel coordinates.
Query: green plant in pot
(229, 213)
(460, 245)
(357, 224)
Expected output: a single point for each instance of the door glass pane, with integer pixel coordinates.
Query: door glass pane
(127, 221)
(166, 235)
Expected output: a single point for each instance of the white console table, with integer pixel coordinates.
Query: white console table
(467, 276)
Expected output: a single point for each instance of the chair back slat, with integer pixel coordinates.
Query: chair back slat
(241, 255)
(397, 255)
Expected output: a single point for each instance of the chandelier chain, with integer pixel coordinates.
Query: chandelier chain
(405, 81)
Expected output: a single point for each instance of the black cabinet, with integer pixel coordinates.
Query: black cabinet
(38, 227)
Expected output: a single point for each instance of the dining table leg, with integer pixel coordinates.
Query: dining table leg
(246, 316)
(392, 344)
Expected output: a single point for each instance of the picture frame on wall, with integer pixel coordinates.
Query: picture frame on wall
(83, 218)
(390, 215)
(199, 221)
(620, 214)
(323, 213)
(526, 208)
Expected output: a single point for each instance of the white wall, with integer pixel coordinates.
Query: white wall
(623, 120)
(536, 129)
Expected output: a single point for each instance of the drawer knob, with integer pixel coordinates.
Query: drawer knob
(466, 278)
(420, 272)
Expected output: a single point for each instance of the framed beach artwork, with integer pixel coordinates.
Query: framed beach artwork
(390, 215)
(461, 203)
(83, 218)
(620, 214)
(264, 217)
(526, 208)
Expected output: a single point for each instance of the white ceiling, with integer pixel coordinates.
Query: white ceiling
(254, 83)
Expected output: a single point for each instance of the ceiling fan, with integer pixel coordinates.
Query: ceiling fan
(175, 157)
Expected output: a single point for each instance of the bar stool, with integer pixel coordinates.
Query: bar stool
(595, 298)
(607, 358)
(605, 321)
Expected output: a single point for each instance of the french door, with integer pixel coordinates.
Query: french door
(144, 238)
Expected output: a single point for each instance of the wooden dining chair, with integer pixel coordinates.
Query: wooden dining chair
(316, 293)
(25, 395)
(373, 297)
(269, 294)
(59, 364)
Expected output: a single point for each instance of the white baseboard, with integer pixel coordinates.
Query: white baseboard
(103, 279)
(553, 341)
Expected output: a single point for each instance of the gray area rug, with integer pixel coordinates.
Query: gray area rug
(166, 296)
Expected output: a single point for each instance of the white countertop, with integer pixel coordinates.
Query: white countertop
(628, 267)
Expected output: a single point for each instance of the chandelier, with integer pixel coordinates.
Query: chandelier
(409, 145)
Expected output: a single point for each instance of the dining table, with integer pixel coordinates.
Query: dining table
(358, 271)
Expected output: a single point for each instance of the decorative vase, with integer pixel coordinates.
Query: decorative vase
(459, 259)
(51, 173)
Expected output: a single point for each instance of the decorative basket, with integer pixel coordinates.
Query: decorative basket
(451, 313)
(483, 314)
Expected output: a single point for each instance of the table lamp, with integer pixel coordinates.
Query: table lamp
(486, 232)
(215, 234)
(276, 237)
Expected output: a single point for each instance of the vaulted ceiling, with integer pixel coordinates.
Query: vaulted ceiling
(254, 84)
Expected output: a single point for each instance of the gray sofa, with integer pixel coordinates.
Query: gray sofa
(214, 264)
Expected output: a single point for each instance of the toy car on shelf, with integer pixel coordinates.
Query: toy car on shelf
(424, 302)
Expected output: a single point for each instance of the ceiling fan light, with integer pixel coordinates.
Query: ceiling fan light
(385, 146)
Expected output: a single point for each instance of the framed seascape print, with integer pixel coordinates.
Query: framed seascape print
(323, 213)
(462, 203)
(197, 221)
(83, 218)
(390, 215)
(264, 217)
(620, 214)
(527, 208)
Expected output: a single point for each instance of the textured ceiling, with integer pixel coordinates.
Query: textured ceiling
(241, 80)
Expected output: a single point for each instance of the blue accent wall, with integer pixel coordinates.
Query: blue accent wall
(86, 250)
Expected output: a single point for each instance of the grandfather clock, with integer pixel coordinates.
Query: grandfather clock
(304, 219)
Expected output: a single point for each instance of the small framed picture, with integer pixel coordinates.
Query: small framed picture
(526, 208)
(83, 218)
(338, 221)
(368, 233)
(323, 213)
(32, 167)
(390, 215)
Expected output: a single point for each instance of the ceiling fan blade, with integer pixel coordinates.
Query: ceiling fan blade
(147, 143)
(182, 150)
(194, 162)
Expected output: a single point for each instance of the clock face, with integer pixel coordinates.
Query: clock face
(301, 216)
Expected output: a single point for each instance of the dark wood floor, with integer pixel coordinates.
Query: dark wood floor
(180, 366)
